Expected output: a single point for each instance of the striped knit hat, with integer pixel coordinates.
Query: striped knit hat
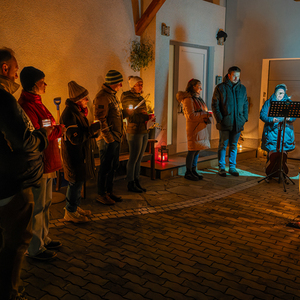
(76, 91)
(113, 77)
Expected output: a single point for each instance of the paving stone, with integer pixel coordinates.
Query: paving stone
(226, 246)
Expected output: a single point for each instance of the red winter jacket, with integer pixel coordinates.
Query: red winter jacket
(37, 111)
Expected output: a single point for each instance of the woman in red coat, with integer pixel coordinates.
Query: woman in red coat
(34, 86)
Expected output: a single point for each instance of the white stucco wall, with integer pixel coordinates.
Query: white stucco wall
(257, 30)
(194, 22)
(69, 40)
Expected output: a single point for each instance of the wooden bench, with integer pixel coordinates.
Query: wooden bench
(122, 157)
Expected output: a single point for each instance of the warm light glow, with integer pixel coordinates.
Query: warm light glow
(59, 143)
(163, 154)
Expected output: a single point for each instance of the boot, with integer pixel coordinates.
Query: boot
(133, 188)
(190, 176)
(196, 173)
(137, 184)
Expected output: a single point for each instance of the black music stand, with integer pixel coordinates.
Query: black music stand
(285, 109)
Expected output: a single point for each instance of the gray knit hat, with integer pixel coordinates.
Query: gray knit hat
(113, 77)
(29, 76)
(76, 91)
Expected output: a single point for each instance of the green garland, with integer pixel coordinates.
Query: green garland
(141, 55)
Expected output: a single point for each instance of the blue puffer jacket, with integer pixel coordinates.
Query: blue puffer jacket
(230, 105)
(270, 133)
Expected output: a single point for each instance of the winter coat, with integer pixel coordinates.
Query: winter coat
(230, 105)
(36, 111)
(77, 151)
(136, 123)
(21, 164)
(195, 112)
(270, 132)
(109, 113)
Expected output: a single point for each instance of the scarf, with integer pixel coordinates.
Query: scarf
(199, 104)
(83, 110)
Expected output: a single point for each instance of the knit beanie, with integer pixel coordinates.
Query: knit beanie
(113, 77)
(29, 76)
(132, 80)
(76, 91)
(280, 86)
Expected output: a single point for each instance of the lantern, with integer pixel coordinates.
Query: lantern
(163, 154)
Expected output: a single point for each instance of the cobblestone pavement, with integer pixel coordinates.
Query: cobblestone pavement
(220, 238)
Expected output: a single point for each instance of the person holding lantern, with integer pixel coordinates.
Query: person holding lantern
(34, 85)
(135, 111)
(197, 118)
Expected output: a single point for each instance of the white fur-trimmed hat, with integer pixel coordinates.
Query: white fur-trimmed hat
(132, 80)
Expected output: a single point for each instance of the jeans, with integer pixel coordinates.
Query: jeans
(15, 235)
(232, 138)
(192, 160)
(137, 146)
(73, 195)
(109, 162)
(40, 220)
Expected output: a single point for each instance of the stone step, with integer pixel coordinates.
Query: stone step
(176, 163)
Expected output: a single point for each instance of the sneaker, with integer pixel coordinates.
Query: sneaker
(45, 255)
(115, 197)
(105, 199)
(75, 217)
(222, 172)
(53, 245)
(83, 212)
(233, 172)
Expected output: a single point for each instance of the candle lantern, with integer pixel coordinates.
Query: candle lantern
(163, 154)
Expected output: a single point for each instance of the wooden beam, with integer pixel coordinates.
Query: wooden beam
(148, 16)
(218, 1)
(135, 10)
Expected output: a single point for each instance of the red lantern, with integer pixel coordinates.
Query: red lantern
(163, 154)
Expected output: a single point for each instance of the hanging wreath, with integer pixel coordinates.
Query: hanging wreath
(141, 55)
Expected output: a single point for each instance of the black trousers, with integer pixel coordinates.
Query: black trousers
(109, 162)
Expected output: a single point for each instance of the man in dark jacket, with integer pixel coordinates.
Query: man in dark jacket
(109, 113)
(230, 108)
(21, 167)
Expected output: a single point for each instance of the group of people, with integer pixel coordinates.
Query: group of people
(30, 157)
(230, 110)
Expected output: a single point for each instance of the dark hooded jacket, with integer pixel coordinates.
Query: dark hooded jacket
(109, 113)
(230, 105)
(21, 161)
(270, 132)
(77, 150)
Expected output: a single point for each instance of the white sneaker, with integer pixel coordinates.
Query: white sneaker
(75, 217)
(83, 212)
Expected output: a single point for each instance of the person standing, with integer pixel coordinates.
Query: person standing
(21, 168)
(197, 118)
(230, 108)
(137, 133)
(77, 154)
(34, 85)
(109, 113)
